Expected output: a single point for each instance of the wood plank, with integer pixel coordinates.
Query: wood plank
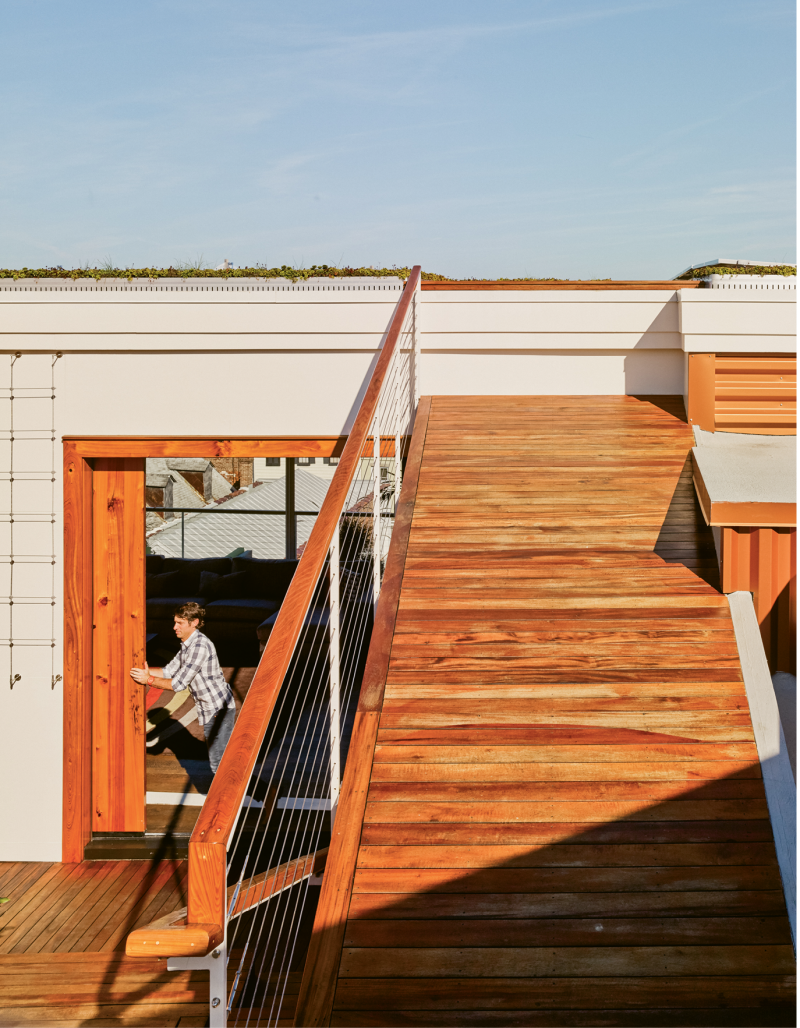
(725, 725)
(695, 771)
(776, 1014)
(541, 833)
(23, 915)
(471, 286)
(468, 880)
(88, 446)
(590, 932)
(134, 907)
(580, 961)
(118, 722)
(86, 889)
(590, 810)
(76, 828)
(657, 752)
(536, 734)
(681, 903)
(105, 900)
(631, 992)
(589, 792)
(552, 855)
(498, 708)
(20, 877)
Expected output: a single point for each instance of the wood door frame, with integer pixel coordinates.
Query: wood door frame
(79, 453)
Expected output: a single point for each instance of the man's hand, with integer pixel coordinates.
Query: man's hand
(139, 675)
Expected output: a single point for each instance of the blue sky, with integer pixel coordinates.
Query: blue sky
(575, 138)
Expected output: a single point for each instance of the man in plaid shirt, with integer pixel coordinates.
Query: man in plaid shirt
(195, 667)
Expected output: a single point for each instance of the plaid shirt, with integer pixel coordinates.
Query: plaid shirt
(195, 667)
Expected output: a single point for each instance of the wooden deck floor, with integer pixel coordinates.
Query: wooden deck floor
(62, 939)
(62, 960)
(566, 823)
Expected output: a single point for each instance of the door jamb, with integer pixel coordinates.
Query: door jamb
(79, 452)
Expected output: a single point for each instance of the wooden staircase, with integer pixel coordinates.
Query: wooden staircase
(559, 817)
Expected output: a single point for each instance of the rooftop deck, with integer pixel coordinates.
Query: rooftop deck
(565, 821)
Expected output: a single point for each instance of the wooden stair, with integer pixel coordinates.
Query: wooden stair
(565, 822)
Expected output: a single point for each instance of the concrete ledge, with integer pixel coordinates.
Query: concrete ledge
(773, 752)
(745, 480)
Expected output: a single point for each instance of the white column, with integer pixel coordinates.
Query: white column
(334, 636)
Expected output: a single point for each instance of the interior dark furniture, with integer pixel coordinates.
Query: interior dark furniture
(238, 594)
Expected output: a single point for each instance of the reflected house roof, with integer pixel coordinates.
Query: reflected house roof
(210, 535)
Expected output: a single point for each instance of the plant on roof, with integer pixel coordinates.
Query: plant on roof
(199, 269)
(739, 269)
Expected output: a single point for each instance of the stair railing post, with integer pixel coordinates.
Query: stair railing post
(216, 963)
(218, 986)
(376, 510)
(334, 636)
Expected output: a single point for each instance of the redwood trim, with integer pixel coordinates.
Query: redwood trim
(754, 515)
(76, 829)
(118, 616)
(315, 1001)
(701, 390)
(207, 446)
(537, 285)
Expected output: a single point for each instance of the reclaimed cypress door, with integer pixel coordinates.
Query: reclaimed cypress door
(118, 644)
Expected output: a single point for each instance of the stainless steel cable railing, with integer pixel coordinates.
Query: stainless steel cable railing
(260, 842)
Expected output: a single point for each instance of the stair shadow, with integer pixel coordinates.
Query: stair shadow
(648, 879)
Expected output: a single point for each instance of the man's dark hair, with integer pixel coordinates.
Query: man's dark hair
(192, 612)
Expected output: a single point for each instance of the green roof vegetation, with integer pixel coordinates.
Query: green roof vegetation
(284, 272)
(188, 271)
(740, 269)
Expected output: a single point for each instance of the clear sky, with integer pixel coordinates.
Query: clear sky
(575, 138)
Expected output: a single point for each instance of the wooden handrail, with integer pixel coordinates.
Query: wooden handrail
(220, 812)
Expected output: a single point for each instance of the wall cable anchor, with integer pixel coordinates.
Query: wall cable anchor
(13, 679)
(56, 680)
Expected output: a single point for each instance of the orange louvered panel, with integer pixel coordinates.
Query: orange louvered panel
(755, 395)
(763, 561)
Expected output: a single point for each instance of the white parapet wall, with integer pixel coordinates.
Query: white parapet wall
(551, 342)
(738, 321)
(253, 359)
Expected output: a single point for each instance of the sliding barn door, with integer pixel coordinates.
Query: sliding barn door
(118, 723)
